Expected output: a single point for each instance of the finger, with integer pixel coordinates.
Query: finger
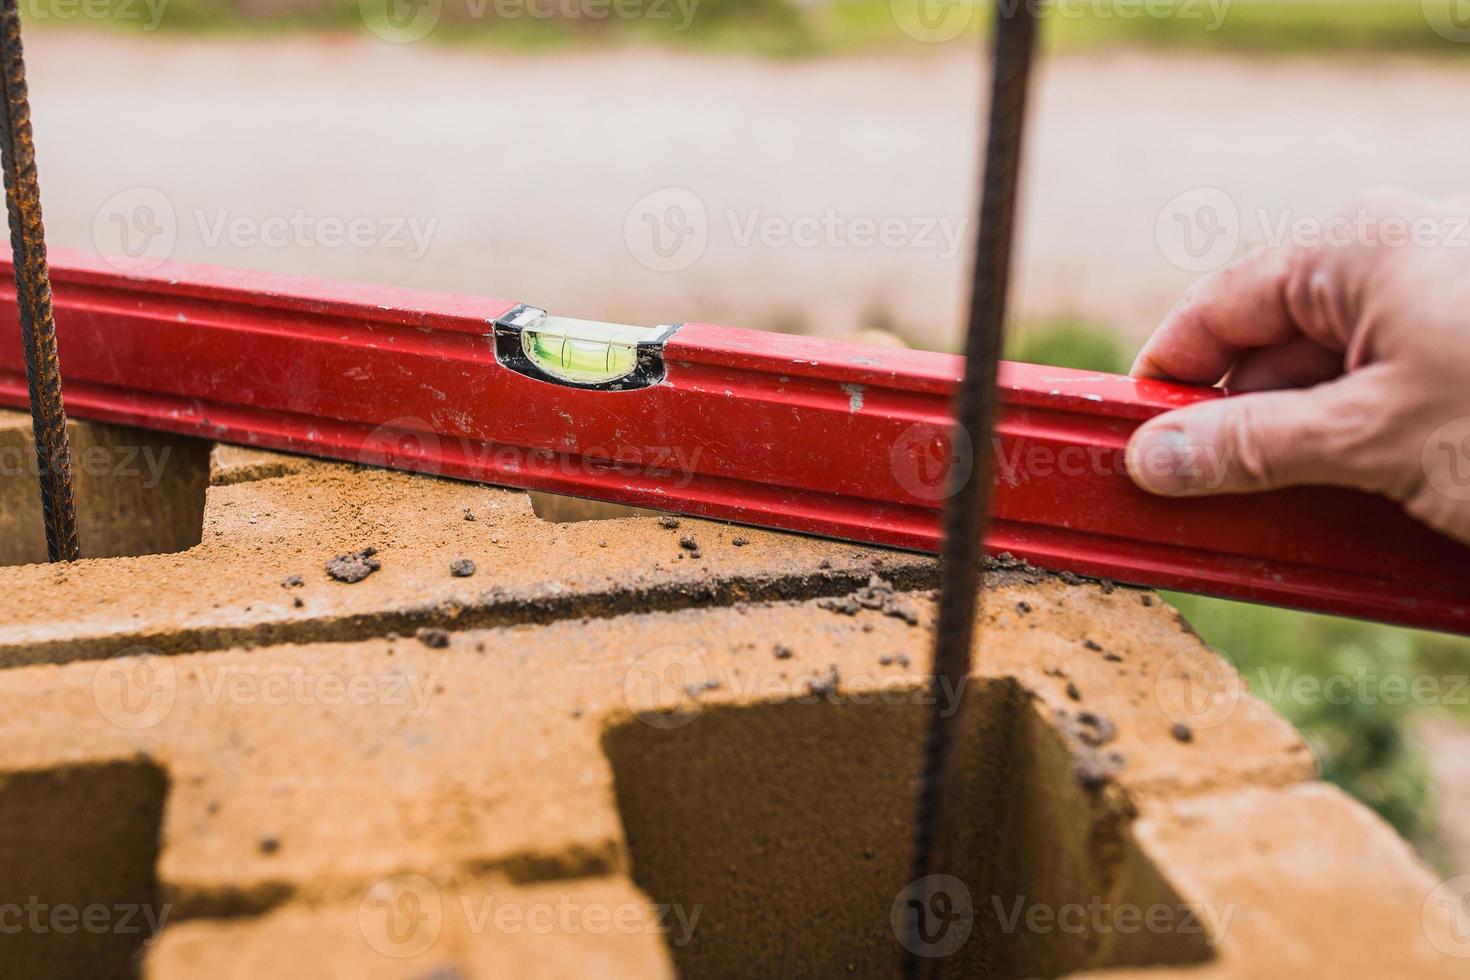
(1239, 308)
(1300, 362)
(1263, 441)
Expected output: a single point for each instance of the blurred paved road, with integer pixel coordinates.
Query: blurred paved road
(821, 192)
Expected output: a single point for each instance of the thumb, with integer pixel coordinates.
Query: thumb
(1262, 441)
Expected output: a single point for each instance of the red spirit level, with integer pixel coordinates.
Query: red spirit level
(808, 435)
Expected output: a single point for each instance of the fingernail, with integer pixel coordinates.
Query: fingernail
(1161, 460)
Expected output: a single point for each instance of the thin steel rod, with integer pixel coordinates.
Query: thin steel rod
(33, 290)
(967, 509)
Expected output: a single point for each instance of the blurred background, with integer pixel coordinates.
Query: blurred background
(797, 165)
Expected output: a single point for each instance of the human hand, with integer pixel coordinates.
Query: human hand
(1356, 354)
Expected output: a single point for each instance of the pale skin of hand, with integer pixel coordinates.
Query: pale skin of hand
(1354, 354)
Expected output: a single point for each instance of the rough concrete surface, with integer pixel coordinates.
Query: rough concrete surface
(599, 757)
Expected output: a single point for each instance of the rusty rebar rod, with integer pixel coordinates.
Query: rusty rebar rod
(967, 509)
(33, 294)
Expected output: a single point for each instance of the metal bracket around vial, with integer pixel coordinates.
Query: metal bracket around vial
(581, 353)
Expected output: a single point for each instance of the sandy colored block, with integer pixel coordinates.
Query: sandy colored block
(1303, 881)
(720, 756)
(610, 713)
(408, 927)
(242, 464)
(227, 591)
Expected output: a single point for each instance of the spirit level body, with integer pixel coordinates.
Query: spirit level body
(798, 433)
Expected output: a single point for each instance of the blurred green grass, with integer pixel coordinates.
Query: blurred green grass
(786, 28)
(1353, 689)
(1238, 25)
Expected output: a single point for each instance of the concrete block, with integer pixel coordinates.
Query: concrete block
(294, 771)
